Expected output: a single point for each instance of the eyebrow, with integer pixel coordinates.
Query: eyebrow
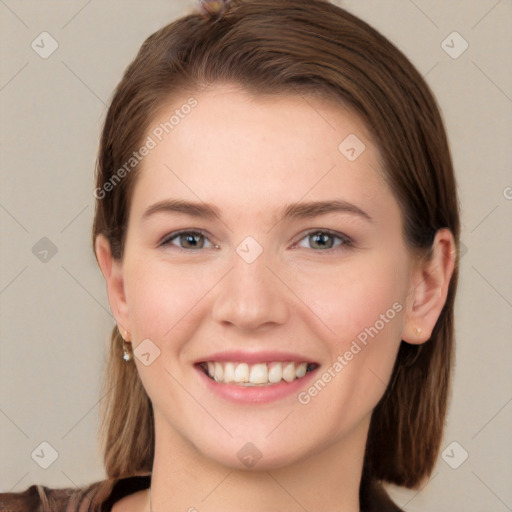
(301, 210)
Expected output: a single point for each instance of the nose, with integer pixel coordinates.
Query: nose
(250, 296)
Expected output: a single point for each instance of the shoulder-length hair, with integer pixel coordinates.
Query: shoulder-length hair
(294, 47)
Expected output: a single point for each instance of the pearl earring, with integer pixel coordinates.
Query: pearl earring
(126, 354)
(417, 330)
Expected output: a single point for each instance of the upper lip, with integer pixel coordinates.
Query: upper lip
(239, 356)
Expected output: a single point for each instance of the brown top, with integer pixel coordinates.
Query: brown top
(38, 498)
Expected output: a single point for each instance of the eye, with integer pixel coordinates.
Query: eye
(323, 240)
(189, 240)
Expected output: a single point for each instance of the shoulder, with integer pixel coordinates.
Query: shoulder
(37, 498)
(20, 501)
(96, 497)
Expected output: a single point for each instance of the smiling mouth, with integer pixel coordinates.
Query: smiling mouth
(260, 374)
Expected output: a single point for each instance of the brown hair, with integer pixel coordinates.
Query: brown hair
(296, 47)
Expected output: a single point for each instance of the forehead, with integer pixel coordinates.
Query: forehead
(237, 149)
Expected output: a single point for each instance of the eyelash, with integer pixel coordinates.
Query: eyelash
(346, 244)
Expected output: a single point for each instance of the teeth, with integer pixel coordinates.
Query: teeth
(259, 374)
(289, 372)
(256, 374)
(218, 374)
(275, 373)
(229, 372)
(301, 370)
(242, 373)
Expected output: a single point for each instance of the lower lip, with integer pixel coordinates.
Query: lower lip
(255, 394)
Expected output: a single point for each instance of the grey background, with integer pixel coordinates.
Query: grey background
(54, 314)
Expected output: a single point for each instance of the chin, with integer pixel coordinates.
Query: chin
(249, 456)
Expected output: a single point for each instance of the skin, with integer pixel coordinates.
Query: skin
(249, 156)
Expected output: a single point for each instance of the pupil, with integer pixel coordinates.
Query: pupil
(322, 238)
(192, 239)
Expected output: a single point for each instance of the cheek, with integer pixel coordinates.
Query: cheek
(369, 324)
(162, 297)
(363, 293)
(354, 382)
(362, 303)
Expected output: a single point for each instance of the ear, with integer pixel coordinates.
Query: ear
(112, 271)
(429, 288)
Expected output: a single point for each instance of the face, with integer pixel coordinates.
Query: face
(306, 302)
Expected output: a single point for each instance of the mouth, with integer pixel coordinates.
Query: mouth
(259, 374)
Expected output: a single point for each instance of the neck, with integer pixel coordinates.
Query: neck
(185, 480)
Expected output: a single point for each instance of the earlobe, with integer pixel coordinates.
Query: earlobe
(429, 289)
(112, 271)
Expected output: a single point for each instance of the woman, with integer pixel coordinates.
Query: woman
(277, 225)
